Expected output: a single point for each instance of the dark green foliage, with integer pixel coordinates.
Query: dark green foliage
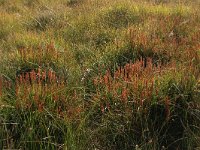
(2, 2)
(120, 16)
(31, 3)
(5, 30)
(42, 21)
(37, 130)
(73, 2)
(102, 39)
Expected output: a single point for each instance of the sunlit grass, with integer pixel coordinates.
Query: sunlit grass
(103, 74)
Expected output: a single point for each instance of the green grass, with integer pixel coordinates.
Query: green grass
(89, 74)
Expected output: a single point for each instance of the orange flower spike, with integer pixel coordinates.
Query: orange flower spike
(46, 88)
(39, 75)
(25, 93)
(136, 82)
(124, 95)
(41, 54)
(120, 70)
(24, 54)
(21, 79)
(115, 92)
(133, 69)
(146, 83)
(75, 94)
(36, 98)
(58, 110)
(54, 77)
(55, 98)
(115, 75)
(17, 104)
(127, 72)
(29, 105)
(44, 75)
(5, 84)
(102, 108)
(142, 97)
(152, 82)
(20, 52)
(63, 83)
(40, 107)
(150, 62)
(100, 80)
(17, 89)
(8, 84)
(108, 106)
(106, 80)
(27, 78)
(1, 86)
(124, 73)
(156, 91)
(50, 76)
(143, 63)
(109, 81)
(32, 76)
(95, 81)
(159, 68)
(167, 103)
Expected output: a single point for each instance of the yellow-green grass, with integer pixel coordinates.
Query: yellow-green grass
(90, 74)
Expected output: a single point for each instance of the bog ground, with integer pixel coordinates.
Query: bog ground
(100, 74)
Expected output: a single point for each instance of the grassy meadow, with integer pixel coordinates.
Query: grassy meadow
(100, 74)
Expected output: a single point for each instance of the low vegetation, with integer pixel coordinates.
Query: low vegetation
(89, 74)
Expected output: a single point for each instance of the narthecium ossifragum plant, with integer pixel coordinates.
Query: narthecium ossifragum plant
(136, 83)
(43, 89)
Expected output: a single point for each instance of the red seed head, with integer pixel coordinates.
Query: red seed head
(167, 102)
(1, 86)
